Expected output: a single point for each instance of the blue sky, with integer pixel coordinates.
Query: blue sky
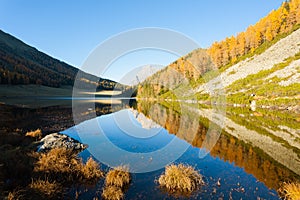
(70, 30)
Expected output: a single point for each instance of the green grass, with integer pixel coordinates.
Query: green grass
(269, 89)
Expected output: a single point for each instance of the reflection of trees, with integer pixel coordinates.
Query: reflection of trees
(227, 148)
(50, 119)
(253, 160)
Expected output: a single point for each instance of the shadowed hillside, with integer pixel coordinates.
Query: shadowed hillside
(23, 64)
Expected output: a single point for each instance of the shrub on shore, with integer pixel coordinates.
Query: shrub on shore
(182, 178)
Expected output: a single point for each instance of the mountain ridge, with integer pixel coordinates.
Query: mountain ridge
(21, 63)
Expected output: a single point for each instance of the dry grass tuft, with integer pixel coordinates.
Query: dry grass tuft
(91, 170)
(119, 177)
(44, 187)
(35, 134)
(112, 193)
(65, 164)
(291, 191)
(15, 195)
(115, 182)
(182, 178)
(57, 160)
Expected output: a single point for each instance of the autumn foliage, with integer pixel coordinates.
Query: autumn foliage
(275, 23)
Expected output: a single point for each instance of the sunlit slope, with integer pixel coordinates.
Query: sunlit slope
(260, 63)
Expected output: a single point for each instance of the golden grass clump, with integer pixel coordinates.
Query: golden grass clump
(66, 164)
(46, 188)
(112, 193)
(118, 176)
(15, 195)
(291, 191)
(35, 134)
(182, 178)
(91, 170)
(57, 160)
(115, 181)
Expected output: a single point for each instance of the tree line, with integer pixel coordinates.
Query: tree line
(277, 22)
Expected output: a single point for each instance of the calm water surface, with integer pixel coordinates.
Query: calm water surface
(251, 155)
(250, 152)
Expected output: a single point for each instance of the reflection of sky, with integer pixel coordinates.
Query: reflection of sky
(124, 131)
(119, 138)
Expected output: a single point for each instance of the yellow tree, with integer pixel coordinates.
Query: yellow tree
(275, 21)
(269, 35)
(298, 13)
(298, 16)
(250, 38)
(225, 51)
(258, 37)
(215, 53)
(283, 17)
(232, 48)
(293, 5)
(241, 46)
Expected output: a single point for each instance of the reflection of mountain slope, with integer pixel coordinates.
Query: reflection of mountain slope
(144, 121)
(275, 149)
(254, 152)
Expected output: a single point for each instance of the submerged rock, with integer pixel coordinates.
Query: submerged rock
(56, 140)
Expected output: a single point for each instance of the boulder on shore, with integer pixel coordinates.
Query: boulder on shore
(56, 140)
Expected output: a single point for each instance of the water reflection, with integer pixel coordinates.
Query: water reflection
(41, 113)
(269, 160)
(256, 151)
(138, 138)
(120, 139)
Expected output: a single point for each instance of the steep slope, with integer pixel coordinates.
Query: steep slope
(277, 53)
(178, 76)
(23, 64)
(245, 67)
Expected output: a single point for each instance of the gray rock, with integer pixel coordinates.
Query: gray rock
(56, 140)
